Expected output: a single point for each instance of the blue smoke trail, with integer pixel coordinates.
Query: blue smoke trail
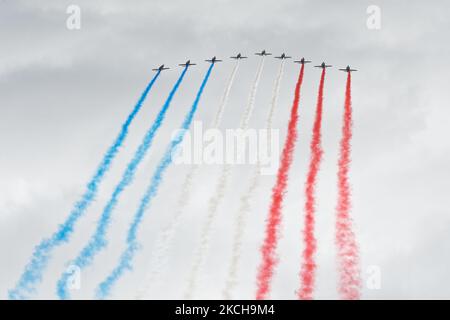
(104, 288)
(42, 252)
(98, 241)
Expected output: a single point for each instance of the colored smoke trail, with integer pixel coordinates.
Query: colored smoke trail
(348, 257)
(164, 241)
(32, 274)
(219, 194)
(97, 240)
(126, 258)
(308, 268)
(268, 249)
(244, 202)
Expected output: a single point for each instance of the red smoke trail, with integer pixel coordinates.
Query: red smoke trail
(268, 249)
(348, 258)
(307, 272)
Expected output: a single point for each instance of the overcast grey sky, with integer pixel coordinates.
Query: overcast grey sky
(64, 94)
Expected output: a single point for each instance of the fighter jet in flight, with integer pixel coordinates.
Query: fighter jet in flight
(263, 53)
(348, 69)
(239, 56)
(302, 61)
(283, 56)
(187, 64)
(323, 65)
(213, 60)
(161, 68)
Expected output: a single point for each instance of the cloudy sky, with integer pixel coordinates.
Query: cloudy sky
(64, 94)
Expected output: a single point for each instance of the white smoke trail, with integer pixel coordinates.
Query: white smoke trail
(244, 206)
(159, 259)
(251, 99)
(219, 193)
(204, 238)
(226, 94)
(239, 226)
(276, 92)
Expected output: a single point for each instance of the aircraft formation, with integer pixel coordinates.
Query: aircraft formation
(348, 267)
(239, 56)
